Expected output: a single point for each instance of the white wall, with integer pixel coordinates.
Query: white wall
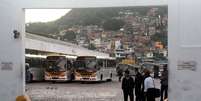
(11, 51)
(184, 45)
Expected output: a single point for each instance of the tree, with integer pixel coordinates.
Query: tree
(113, 24)
(160, 37)
(91, 46)
(159, 56)
(128, 28)
(70, 35)
(42, 28)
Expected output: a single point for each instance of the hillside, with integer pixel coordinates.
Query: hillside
(87, 16)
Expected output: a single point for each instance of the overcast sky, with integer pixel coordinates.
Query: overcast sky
(44, 15)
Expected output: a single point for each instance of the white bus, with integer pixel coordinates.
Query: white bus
(35, 65)
(91, 68)
(59, 68)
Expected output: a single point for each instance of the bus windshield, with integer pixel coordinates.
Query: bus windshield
(56, 65)
(86, 63)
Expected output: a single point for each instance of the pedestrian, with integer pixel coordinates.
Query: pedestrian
(164, 83)
(138, 85)
(128, 86)
(149, 86)
(119, 73)
(156, 71)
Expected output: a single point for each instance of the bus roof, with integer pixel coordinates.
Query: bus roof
(35, 56)
(98, 57)
(86, 57)
(66, 56)
(106, 57)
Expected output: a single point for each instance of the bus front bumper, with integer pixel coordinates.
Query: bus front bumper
(55, 78)
(86, 79)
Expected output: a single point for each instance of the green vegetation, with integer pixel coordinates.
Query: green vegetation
(42, 28)
(70, 35)
(91, 47)
(160, 37)
(113, 24)
(88, 16)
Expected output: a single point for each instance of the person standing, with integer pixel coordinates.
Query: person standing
(128, 86)
(164, 83)
(138, 85)
(156, 71)
(149, 86)
(120, 74)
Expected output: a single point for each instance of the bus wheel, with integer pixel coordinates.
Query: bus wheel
(72, 77)
(101, 78)
(110, 78)
(30, 78)
(110, 75)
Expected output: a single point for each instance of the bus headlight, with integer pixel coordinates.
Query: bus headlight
(47, 74)
(77, 74)
(93, 74)
(63, 74)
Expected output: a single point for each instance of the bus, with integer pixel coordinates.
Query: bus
(59, 68)
(155, 68)
(92, 68)
(35, 65)
(121, 68)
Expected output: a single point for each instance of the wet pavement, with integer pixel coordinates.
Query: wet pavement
(76, 91)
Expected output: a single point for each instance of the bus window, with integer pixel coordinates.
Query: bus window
(36, 68)
(111, 63)
(100, 63)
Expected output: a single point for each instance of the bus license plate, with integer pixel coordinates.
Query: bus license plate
(54, 77)
(85, 78)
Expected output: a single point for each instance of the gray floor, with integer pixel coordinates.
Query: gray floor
(76, 91)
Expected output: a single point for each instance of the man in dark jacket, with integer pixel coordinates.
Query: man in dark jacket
(164, 83)
(128, 86)
(138, 86)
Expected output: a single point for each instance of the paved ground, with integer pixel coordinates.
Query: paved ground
(76, 91)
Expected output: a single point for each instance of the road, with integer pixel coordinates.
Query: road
(76, 91)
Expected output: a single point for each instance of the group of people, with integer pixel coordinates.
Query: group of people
(144, 86)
